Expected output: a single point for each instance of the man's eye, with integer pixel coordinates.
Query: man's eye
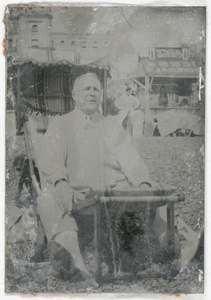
(89, 88)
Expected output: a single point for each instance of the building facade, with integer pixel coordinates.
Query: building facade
(29, 36)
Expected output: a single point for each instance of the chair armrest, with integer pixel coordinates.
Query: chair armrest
(158, 200)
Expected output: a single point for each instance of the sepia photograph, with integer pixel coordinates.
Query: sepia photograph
(105, 149)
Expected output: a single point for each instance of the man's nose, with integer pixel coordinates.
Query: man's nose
(91, 91)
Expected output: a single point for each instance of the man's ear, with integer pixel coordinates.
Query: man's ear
(73, 94)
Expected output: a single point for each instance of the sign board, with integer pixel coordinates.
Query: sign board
(168, 53)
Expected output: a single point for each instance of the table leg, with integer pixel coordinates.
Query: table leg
(148, 233)
(97, 242)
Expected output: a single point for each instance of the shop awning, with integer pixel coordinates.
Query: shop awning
(171, 68)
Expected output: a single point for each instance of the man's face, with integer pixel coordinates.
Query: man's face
(87, 94)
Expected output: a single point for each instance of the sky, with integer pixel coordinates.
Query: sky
(135, 29)
(141, 26)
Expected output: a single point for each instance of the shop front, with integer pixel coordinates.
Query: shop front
(173, 87)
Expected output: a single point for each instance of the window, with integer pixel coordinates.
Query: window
(105, 44)
(10, 43)
(83, 44)
(34, 36)
(34, 43)
(95, 45)
(13, 29)
(34, 29)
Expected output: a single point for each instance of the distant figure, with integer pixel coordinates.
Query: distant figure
(194, 94)
(127, 104)
(184, 103)
(163, 98)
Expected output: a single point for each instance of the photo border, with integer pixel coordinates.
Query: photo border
(207, 151)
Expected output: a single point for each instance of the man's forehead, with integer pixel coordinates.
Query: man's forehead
(86, 80)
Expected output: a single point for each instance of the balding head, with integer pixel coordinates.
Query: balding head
(84, 77)
(87, 93)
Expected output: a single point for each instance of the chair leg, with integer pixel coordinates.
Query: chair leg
(170, 230)
(97, 242)
(147, 232)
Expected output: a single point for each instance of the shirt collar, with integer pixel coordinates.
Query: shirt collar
(96, 117)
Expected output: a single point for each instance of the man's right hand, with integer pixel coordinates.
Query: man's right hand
(64, 196)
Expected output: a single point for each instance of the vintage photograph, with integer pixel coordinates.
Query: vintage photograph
(105, 125)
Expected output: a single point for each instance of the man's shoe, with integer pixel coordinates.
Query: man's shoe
(61, 260)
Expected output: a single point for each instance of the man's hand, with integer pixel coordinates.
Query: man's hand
(64, 196)
(145, 185)
(83, 195)
(148, 185)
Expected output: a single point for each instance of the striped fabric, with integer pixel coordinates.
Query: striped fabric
(47, 88)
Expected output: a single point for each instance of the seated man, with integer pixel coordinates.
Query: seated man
(82, 150)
